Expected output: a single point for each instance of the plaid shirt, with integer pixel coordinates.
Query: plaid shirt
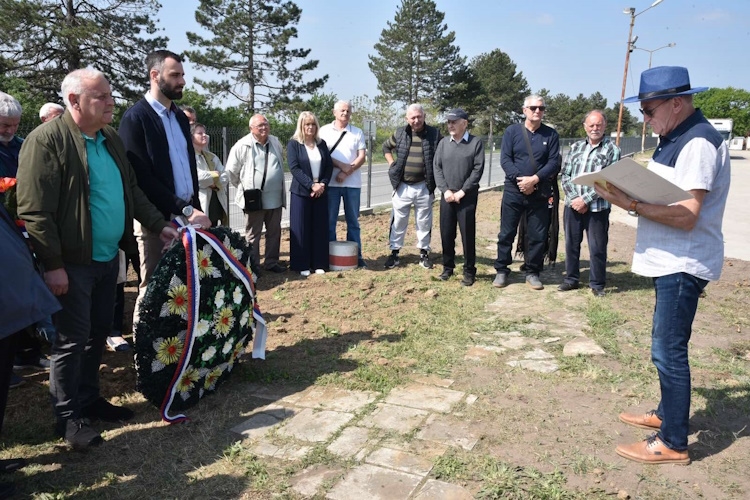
(577, 163)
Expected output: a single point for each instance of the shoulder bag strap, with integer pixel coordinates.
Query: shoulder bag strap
(528, 146)
(265, 169)
(337, 142)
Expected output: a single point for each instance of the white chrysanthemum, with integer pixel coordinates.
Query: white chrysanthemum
(210, 352)
(228, 346)
(219, 299)
(237, 295)
(202, 328)
(244, 318)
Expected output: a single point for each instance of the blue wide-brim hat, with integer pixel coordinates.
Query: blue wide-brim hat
(664, 82)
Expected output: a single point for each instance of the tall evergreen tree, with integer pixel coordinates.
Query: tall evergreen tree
(416, 56)
(502, 89)
(43, 40)
(250, 42)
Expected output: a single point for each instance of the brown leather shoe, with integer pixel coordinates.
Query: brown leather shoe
(652, 451)
(647, 420)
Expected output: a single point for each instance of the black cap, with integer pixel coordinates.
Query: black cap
(456, 114)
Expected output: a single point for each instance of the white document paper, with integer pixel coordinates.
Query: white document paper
(637, 182)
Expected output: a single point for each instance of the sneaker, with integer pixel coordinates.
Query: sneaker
(79, 434)
(37, 364)
(446, 274)
(566, 287)
(500, 281)
(392, 261)
(652, 451)
(101, 409)
(598, 292)
(424, 261)
(467, 280)
(320, 271)
(534, 282)
(304, 273)
(15, 381)
(117, 344)
(647, 420)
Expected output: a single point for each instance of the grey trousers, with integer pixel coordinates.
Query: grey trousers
(83, 325)
(254, 222)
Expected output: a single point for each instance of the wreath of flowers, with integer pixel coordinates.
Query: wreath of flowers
(197, 316)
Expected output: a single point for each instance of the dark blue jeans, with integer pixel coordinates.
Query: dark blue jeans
(514, 204)
(596, 225)
(83, 325)
(676, 303)
(351, 198)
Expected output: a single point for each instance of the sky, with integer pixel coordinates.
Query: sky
(570, 47)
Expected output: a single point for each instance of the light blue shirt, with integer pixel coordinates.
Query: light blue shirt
(178, 149)
(106, 199)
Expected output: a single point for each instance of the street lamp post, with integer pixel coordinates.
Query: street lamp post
(633, 15)
(650, 54)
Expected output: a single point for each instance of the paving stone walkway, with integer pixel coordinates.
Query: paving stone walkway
(393, 440)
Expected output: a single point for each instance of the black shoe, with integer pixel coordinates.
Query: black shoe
(566, 287)
(392, 261)
(597, 292)
(500, 281)
(534, 282)
(15, 381)
(11, 465)
(7, 490)
(361, 264)
(467, 280)
(446, 274)
(33, 364)
(424, 260)
(277, 268)
(80, 435)
(101, 409)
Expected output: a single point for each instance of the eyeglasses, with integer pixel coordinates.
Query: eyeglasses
(534, 108)
(261, 125)
(650, 112)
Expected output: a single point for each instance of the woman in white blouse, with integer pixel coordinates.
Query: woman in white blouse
(212, 180)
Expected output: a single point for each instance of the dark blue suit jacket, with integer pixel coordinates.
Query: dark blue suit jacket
(299, 166)
(145, 139)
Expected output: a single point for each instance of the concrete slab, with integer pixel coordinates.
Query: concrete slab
(374, 483)
(434, 380)
(541, 366)
(351, 441)
(274, 393)
(449, 430)
(262, 420)
(517, 342)
(395, 418)
(439, 490)
(315, 426)
(477, 352)
(424, 397)
(584, 346)
(285, 452)
(334, 398)
(425, 449)
(538, 354)
(400, 460)
(307, 482)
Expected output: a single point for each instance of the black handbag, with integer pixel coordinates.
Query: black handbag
(254, 197)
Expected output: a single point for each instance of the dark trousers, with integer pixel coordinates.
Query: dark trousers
(513, 206)
(7, 351)
(308, 229)
(135, 261)
(464, 214)
(28, 347)
(596, 225)
(83, 325)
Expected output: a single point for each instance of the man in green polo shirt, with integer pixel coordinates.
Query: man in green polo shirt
(78, 196)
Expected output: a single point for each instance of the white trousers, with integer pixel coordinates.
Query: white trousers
(403, 198)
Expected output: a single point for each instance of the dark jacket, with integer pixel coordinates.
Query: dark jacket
(145, 139)
(515, 160)
(53, 193)
(9, 157)
(24, 298)
(299, 166)
(402, 140)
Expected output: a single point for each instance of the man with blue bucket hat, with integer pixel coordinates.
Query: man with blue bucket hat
(679, 246)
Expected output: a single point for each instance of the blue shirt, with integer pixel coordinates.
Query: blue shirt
(9, 157)
(106, 200)
(178, 149)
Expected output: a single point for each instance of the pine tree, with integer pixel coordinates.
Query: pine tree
(502, 88)
(416, 56)
(250, 42)
(43, 40)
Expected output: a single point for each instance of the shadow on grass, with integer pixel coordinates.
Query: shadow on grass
(725, 419)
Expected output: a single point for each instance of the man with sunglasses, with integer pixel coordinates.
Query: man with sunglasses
(528, 187)
(679, 246)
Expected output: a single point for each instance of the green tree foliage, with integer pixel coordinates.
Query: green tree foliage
(320, 104)
(416, 56)
(29, 100)
(726, 102)
(44, 40)
(250, 43)
(212, 116)
(566, 114)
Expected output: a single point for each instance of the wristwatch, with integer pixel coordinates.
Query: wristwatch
(632, 210)
(187, 210)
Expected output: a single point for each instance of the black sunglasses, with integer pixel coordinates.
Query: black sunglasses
(650, 112)
(534, 108)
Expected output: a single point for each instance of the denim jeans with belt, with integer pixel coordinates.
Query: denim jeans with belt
(676, 302)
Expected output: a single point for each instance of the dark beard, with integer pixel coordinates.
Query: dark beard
(169, 92)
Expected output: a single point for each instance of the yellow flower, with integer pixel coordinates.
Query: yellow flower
(205, 267)
(188, 380)
(211, 378)
(178, 300)
(168, 351)
(224, 321)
